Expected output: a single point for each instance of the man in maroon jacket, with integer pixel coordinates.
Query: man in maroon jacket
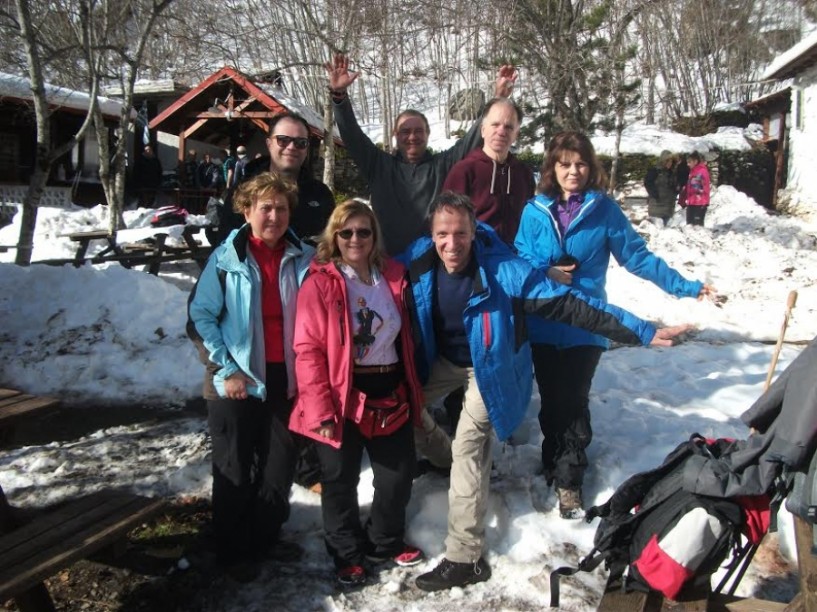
(498, 183)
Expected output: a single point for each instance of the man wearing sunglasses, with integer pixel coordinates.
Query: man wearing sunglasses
(288, 147)
(404, 184)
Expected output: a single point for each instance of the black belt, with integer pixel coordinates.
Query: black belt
(376, 369)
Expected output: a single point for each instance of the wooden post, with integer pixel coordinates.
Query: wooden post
(807, 563)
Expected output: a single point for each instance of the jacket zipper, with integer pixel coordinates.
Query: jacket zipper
(486, 327)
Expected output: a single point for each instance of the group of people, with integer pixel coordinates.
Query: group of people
(683, 182)
(455, 277)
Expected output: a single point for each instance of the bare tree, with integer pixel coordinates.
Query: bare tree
(46, 152)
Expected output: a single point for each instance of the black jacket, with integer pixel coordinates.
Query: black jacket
(785, 417)
(315, 204)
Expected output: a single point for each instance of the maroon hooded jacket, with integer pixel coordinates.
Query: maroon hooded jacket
(498, 191)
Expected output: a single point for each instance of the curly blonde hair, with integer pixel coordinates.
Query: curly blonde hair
(263, 184)
(328, 246)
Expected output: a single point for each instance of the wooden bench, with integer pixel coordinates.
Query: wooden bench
(84, 239)
(151, 251)
(15, 405)
(53, 541)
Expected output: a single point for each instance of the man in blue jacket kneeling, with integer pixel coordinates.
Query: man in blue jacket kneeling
(471, 294)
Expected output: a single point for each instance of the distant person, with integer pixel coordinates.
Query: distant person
(497, 182)
(661, 189)
(148, 177)
(570, 230)
(404, 183)
(240, 163)
(189, 170)
(681, 176)
(227, 168)
(696, 193)
(241, 316)
(358, 390)
(207, 173)
(470, 291)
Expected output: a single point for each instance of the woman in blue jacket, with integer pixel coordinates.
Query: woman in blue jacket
(570, 229)
(241, 315)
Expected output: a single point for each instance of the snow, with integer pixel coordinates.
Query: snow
(790, 55)
(116, 337)
(15, 86)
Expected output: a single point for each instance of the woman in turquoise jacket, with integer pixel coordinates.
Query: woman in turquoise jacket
(241, 316)
(570, 229)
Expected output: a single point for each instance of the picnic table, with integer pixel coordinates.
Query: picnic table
(147, 246)
(36, 547)
(16, 405)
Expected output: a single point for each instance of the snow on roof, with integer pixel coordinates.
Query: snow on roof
(785, 59)
(14, 86)
(292, 103)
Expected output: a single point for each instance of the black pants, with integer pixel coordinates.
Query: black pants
(392, 459)
(253, 468)
(564, 377)
(696, 214)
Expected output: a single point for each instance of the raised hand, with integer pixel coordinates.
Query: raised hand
(338, 71)
(505, 79)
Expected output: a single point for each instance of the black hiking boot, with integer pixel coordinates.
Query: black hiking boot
(449, 574)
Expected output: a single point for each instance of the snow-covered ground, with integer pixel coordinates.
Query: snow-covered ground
(116, 337)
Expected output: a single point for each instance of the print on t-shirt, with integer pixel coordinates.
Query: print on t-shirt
(365, 336)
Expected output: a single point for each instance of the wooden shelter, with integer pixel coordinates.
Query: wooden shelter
(228, 108)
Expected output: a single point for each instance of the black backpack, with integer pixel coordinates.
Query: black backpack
(651, 513)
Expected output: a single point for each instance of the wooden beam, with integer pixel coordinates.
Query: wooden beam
(193, 128)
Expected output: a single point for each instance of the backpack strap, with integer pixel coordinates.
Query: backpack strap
(586, 564)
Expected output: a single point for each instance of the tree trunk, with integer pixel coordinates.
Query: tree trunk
(329, 145)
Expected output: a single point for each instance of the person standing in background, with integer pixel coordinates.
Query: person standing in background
(696, 193)
(660, 185)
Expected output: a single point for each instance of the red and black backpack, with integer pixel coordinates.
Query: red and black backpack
(654, 535)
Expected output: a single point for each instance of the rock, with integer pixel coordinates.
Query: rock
(465, 104)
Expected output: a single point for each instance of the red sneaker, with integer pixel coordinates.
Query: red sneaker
(352, 575)
(410, 555)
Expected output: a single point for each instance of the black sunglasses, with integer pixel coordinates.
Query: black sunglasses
(283, 141)
(363, 232)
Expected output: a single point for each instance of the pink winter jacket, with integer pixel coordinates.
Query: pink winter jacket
(697, 187)
(323, 352)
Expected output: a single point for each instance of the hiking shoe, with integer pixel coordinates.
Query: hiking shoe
(411, 555)
(570, 503)
(449, 574)
(350, 576)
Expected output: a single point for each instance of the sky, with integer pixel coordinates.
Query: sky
(113, 337)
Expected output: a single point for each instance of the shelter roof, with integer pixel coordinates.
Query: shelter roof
(795, 60)
(18, 88)
(225, 96)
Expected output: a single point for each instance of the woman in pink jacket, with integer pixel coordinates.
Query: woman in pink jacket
(697, 189)
(358, 390)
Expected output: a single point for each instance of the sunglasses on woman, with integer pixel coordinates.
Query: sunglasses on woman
(362, 233)
(299, 142)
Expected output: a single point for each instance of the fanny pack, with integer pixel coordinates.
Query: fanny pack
(385, 415)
